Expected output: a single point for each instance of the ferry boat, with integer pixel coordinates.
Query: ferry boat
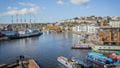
(69, 63)
(21, 62)
(80, 46)
(25, 34)
(99, 58)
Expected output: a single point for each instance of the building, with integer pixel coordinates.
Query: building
(110, 35)
(114, 23)
(85, 28)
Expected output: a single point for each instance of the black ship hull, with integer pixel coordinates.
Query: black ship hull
(25, 35)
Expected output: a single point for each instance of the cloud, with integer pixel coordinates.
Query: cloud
(33, 9)
(27, 4)
(10, 8)
(79, 2)
(75, 2)
(60, 2)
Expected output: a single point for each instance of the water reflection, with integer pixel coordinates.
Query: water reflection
(77, 38)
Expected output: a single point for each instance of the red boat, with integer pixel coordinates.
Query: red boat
(114, 56)
(78, 46)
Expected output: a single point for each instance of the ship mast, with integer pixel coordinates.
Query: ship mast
(30, 21)
(12, 23)
(12, 20)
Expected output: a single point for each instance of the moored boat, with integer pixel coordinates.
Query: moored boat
(2, 36)
(9, 33)
(106, 48)
(25, 34)
(99, 58)
(84, 63)
(78, 46)
(114, 56)
(69, 63)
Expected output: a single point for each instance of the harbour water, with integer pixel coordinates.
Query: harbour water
(44, 49)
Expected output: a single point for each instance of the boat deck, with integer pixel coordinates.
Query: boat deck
(22, 64)
(32, 64)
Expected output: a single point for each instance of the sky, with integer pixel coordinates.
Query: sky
(17, 11)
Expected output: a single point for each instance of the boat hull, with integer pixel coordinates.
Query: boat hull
(80, 47)
(25, 35)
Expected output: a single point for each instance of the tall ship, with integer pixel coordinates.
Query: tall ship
(11, 33)
(26, 33)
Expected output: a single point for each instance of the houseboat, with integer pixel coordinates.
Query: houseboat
(69, 63)
(80, 46)
(106, 48)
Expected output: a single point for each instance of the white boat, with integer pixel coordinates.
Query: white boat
(69, 63)
(106, 48)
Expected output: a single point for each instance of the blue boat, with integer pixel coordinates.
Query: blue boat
(99, 58)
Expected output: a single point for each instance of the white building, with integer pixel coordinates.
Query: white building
(114, 23)
(87, 28)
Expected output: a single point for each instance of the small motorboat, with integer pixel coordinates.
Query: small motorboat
(78, 46)
(69, 63)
